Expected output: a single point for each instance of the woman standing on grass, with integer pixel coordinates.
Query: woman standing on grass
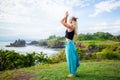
(71, 54)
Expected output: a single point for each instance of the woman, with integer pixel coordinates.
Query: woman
(71, 54)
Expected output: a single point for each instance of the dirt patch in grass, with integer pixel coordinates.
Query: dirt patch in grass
(17, 75)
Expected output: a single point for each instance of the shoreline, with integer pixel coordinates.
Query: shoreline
(30, 49)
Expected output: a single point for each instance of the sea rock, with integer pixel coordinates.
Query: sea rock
(33, 43)
(17, 43)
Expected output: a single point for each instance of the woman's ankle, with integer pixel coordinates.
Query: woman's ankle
(71, 75)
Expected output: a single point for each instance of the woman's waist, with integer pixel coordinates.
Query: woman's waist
(67, 39)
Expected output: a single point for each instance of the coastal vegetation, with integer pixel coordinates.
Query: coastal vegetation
(95, 50)
(54, 41)
(98, 46)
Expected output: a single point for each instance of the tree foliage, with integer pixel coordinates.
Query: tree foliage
(98, 36)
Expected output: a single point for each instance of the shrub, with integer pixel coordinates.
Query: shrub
(29, 59)
(11, 59)
(41, 58)
(59, 57)
(107, 53)
(81, 52)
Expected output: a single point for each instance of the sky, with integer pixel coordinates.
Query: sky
(38, 19)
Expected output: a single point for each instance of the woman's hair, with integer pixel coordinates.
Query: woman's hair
(74, 22)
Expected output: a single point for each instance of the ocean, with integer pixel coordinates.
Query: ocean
(29, 49)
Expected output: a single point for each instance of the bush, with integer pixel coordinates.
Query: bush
(41, 58)
(11, 59)
(107, 53)
(81, 52)
(29, 59)
(59, 57)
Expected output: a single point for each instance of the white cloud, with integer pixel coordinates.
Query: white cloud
(117, 22)
(106, 6)
(30, 11)
(30, 31)
(99, 27)
(41, 18)
(113, 28)
(38, 18)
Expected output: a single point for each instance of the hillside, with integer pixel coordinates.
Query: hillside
(89, 70)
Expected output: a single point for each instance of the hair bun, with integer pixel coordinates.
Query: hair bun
(74, 18)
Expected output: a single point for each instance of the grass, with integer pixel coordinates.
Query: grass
(89, 70)
(98, 42)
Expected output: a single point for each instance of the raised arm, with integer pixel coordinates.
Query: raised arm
(64, 21)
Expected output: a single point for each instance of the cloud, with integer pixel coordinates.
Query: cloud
(36, 18)
(106, 6)
(35, 11)
(113, 28)
(32, 31)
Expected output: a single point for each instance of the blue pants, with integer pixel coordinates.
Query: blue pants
(72, 57)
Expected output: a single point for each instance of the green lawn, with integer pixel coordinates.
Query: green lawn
(104, 70)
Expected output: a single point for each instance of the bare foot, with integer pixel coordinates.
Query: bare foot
(70, 75)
